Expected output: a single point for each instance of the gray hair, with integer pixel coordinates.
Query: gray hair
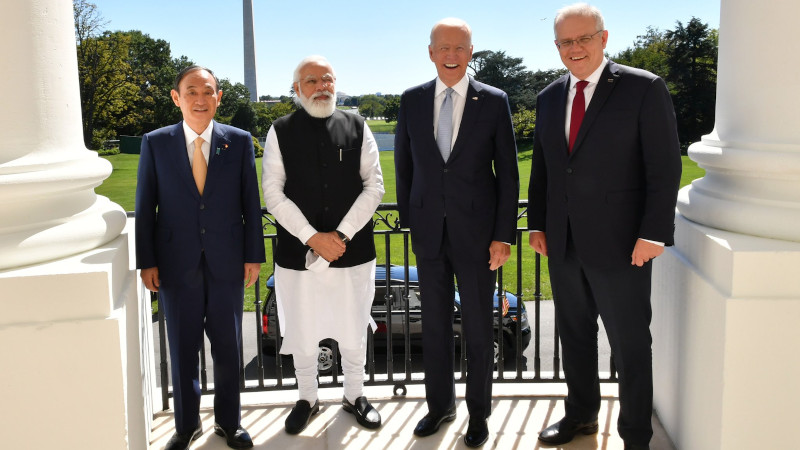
(452, 22)
(308, 60)
(581, 10)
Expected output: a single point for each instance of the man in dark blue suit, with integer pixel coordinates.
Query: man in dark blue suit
(604, 183)
(198, 235)
(457, 189)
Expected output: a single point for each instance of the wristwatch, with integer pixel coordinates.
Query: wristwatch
(343, 237)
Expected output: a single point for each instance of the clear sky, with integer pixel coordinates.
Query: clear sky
(375, 46)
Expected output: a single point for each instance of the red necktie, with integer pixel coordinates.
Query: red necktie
(578, 111)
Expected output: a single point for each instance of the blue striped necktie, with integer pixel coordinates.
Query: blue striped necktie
(444, 131)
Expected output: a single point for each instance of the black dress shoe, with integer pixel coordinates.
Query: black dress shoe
(431, 422)
(477, 432)
(297, 420)
(564, 430)
(182, 441)
(365, 414)
(237, 437)
(637, 446)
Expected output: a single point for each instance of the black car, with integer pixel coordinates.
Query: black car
(401, 324)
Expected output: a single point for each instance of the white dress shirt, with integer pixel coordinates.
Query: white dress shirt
(459, 98)
(588, 92)
(191, 136)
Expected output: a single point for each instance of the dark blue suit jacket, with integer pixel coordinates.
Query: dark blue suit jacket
(174, 224)
(477, 188)
(621, 180)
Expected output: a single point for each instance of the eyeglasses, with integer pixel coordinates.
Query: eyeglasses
(567, 44)
(312, 81)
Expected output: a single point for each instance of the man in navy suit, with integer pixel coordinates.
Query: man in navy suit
(604, 183)
(198, 235)
(457, 189)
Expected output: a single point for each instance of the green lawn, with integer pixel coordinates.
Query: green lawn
(120, 187)
(380, 126)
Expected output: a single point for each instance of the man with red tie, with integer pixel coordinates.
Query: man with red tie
(604, 182)
(198, 236)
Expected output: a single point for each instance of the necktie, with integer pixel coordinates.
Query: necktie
(578, 111)
(444, 130)
(199, 165)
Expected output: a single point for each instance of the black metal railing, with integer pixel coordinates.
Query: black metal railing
(270, 372)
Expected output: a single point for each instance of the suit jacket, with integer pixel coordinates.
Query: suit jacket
(175, 224)
(477, 188)
(621, 180)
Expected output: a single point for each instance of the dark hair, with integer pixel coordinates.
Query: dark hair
(188, 69)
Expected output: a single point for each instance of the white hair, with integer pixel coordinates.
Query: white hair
(581, 10)
(308, 60)
(453, 22)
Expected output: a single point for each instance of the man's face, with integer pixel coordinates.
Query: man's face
(581, 59)
(450, 50)
(198, 98)
(317, 89)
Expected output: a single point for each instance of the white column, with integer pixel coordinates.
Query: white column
(76, 339)
(249, 50)
(752, 158)
(47, 176)
(726, 297)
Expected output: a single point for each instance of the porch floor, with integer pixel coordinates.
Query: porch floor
(519, 412)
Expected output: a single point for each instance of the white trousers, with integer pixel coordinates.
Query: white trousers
(305, 370)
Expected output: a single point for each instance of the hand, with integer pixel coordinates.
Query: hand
(251, 271)
(498, 254)
(644, 251)
(538, 242)
(327, 245)
(150, 278)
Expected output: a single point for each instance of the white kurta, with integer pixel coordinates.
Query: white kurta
(336, 302)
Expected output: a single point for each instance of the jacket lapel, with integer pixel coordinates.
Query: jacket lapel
(180, 158)
(472, 108)
(608, 79)
(561, 112)
(426, 111)
(216, 157)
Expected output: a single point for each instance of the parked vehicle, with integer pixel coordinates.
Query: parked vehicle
(401, 324)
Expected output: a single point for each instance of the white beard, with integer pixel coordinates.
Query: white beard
(316, 106)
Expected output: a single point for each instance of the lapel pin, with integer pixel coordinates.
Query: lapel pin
(474, 98)
(610, 80)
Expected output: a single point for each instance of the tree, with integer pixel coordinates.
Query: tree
(649, 52)
(245, 117)
(233, 96)
(371, 106)
(524, 122)
(391, 109)
(107, 92)
(506, 73)
(692, 60)
(266, 114)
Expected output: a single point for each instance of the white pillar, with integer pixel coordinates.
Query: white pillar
(76, 338)
(752, 158)
(726, 297)
(47, 177)
(249, 50)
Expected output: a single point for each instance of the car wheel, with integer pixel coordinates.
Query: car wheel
(496, 350)
(325, 359)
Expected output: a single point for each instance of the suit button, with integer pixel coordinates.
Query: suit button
(325, 185)
(324, 164)
(445, 170)
(202, 206)
(202, 231)
(326, 208)
(569, 170)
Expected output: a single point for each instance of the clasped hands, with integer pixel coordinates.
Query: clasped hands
(327, 245)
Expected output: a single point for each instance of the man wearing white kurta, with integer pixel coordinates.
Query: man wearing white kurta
(322, 182)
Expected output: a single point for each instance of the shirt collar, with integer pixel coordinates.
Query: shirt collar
(592, 79)
(460, 87)
(191, 135)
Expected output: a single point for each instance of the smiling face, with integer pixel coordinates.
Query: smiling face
(198, 98)
(581, 59)
(450, 50)
(316, 88)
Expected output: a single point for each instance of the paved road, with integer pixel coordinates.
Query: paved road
(547, 342)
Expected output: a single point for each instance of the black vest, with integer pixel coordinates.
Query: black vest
(322, 158)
